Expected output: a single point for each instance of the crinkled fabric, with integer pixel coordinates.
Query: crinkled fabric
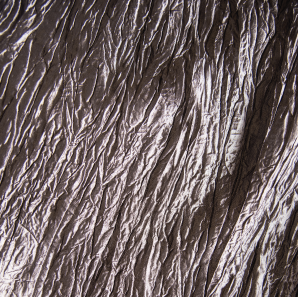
(148, 148)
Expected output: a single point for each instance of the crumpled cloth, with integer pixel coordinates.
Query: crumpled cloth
(148, 148)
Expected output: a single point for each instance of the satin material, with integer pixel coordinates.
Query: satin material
(148, 148)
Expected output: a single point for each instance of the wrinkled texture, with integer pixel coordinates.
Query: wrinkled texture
(148, 148)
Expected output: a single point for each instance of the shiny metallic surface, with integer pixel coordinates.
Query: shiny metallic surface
(148, 148)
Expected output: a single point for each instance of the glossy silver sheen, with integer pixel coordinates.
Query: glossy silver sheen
(148, 148)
